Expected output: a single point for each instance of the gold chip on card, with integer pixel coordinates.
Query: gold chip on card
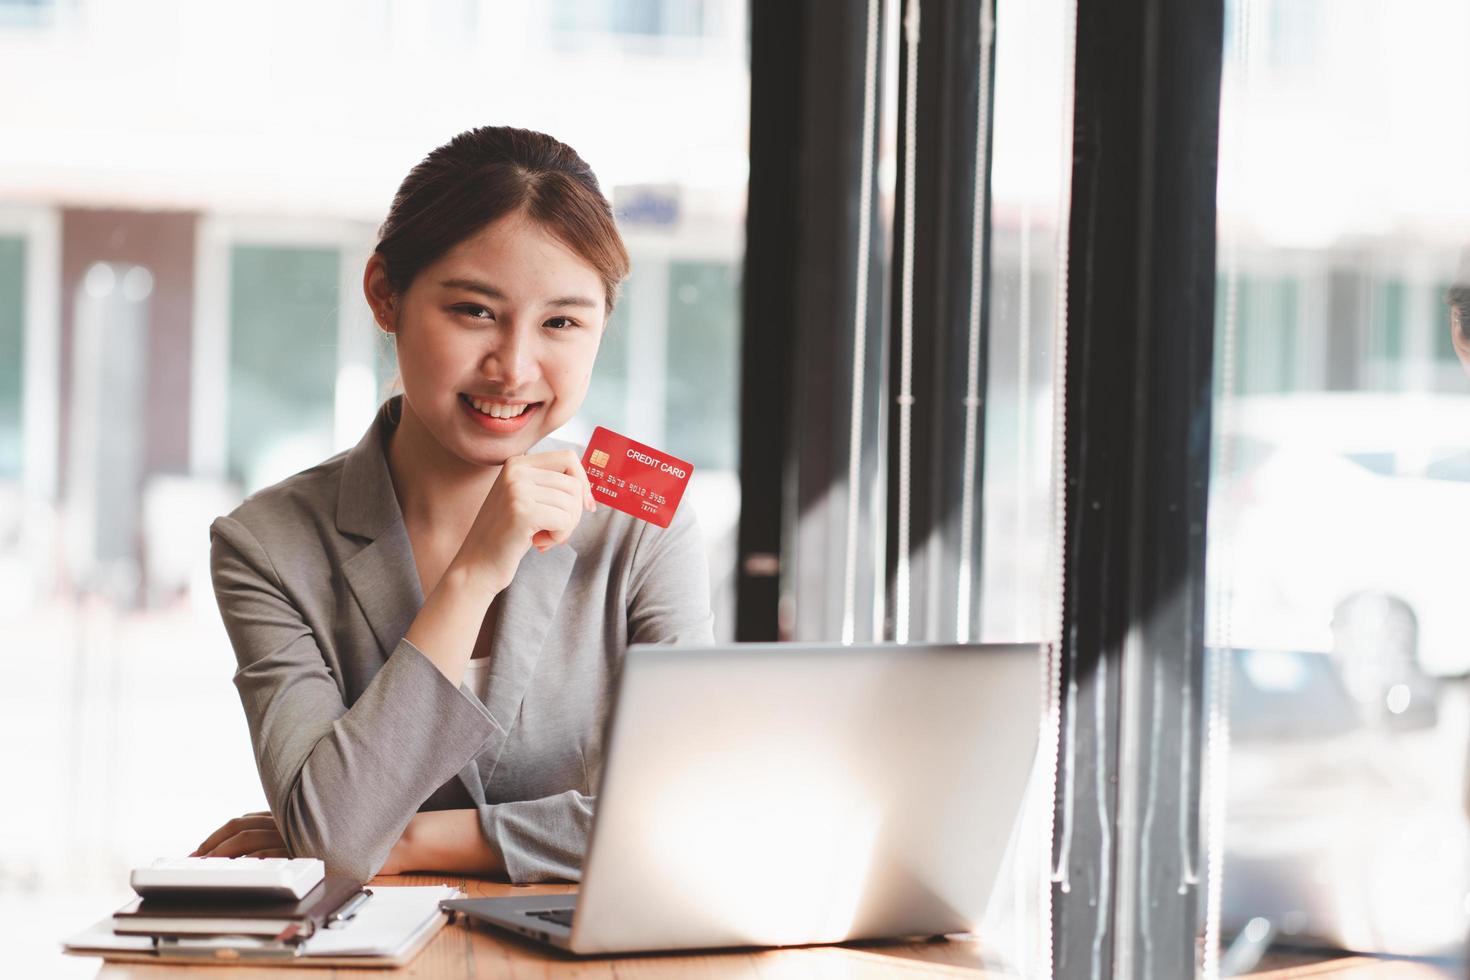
(599, 458)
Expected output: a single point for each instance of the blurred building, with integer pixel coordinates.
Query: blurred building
(188, 193)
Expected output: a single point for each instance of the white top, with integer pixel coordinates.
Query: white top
(477, 677)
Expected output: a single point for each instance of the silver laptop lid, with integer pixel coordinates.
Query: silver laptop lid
(773, 794)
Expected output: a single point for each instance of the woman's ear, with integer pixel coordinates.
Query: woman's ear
(381, 298)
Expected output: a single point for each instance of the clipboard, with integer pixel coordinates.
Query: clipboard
(388, 931)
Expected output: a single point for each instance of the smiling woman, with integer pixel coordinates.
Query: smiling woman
(511, 298)
(427, 626)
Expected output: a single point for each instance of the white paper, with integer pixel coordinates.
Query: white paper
(384, 924)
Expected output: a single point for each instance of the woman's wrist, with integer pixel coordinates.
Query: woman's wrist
(466, 571)
(451, 618)
(402, 857)
(445, 841)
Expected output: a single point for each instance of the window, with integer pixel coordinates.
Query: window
(681, 18)
(12, 351)
(283, 361)
(607, 397)
(1337, 558)
(1268, 351)
(1387, 341)
(703, 363)
(27, 13)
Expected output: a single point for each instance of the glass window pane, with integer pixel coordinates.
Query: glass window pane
(27, 13)
(606, 403)
(1337, 546)
(704, 363)
(12, 352)
(1031, 150)
(283, 360)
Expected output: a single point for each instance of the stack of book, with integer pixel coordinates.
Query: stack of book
(270, 911)
(261, 905)
(280, 921)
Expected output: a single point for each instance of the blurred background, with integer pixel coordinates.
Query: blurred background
(1340, 488)
(188, 192)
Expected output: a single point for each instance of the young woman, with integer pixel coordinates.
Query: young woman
(427, 626)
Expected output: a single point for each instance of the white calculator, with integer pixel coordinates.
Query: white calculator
(244, 876)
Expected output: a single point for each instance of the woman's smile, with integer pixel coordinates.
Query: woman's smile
(498, 416)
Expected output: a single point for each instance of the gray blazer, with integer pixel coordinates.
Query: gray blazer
(355, 730)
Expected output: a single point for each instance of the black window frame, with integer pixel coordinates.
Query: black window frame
(1139, 358)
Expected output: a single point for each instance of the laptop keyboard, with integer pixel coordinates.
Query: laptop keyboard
(560, 917)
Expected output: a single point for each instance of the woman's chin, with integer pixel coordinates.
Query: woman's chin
(481, 451)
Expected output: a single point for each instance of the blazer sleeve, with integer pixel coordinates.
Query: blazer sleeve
(668, 602)
(342, 782)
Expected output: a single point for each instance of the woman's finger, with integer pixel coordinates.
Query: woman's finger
(564, 461)
(555, 522)
(555, 489)
(232, 827)
(552, 469)
(245, 842)
(543, 477)
(270, 852)
(568, 499)
(251, 821)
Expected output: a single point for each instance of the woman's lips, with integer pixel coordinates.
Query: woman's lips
(500, 426)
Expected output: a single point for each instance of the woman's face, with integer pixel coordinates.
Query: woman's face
(496, 339)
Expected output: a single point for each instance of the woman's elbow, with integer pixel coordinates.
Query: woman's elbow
(344, 851)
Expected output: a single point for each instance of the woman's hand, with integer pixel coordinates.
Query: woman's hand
(536, 500)
(253, 835)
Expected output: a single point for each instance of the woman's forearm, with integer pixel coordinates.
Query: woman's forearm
(445, 840)
(449, 622)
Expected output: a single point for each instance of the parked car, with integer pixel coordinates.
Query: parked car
(1326, 496)
(1339, 562)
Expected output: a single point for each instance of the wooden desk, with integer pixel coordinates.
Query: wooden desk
(462, 950)
(1358, 968)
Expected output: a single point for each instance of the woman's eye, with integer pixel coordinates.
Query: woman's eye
(561, 323)
(474, 311)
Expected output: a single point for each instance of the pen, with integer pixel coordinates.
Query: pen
(339, 918)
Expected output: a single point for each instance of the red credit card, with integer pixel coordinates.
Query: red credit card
(634, 478)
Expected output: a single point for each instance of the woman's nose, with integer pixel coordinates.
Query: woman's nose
(510, 363)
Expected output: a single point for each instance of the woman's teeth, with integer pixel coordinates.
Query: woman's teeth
(497, 411)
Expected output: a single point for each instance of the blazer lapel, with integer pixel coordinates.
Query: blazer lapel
(385, 582)
(527, 609)
(383, 576)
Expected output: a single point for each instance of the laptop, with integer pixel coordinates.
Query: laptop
(793, 794)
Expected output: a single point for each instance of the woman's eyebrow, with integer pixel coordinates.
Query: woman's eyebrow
(489, 291)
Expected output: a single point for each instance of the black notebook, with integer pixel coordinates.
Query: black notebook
(227, 915)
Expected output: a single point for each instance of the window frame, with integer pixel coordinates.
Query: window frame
(1139, 342)
(40, 228)
(216, 237)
